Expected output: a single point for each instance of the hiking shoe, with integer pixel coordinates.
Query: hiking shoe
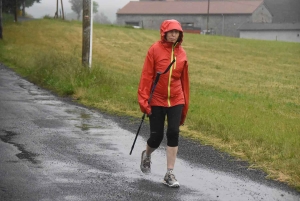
(170, 180)
(145, 163)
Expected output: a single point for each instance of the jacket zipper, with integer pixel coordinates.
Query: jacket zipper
(170, 75)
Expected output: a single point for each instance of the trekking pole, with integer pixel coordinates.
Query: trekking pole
(149, 100)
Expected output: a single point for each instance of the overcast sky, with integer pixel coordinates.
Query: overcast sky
(48, 7)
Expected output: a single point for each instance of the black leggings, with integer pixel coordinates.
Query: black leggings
(157, 123)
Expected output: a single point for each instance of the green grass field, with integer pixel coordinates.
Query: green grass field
(245, 94)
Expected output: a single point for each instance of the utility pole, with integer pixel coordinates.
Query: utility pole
(16, 11)
(62, 7)
(1, 36)
(87, 35)
(207, 16)
(56, 13)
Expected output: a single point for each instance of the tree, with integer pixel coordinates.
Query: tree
(76, 6)
(9, 6)
(13, 6)
(95, 7)
(27, 4)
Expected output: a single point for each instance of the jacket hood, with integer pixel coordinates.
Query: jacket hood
(169, 25)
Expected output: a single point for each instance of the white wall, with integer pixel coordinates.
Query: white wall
(289, 36)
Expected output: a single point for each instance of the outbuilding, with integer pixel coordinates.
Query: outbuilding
(271, 31)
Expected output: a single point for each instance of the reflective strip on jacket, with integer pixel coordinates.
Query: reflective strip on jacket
(173, 87)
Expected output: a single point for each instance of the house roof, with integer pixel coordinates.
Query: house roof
(269, 26)
(190, 7)
(287, 11)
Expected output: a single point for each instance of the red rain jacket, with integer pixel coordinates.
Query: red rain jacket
(173, 87)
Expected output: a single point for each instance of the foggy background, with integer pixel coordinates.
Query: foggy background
(48, 7)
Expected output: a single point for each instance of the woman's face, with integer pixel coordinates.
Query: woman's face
(172, 36)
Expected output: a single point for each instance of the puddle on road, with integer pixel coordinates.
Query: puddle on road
(85, 121)
(48, 102)
(49, 123)
(24, 154)
(86, 127)
(84, 115)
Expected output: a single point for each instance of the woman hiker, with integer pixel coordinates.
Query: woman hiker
(170, 97)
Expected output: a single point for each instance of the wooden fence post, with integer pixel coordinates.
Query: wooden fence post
(87, 35)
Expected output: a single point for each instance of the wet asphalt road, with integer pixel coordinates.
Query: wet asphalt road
(54, 149)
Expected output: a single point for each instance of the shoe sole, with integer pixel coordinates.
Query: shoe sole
(145, 171)
(176, 185)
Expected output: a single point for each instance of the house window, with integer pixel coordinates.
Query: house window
(187, 25)
(132, 23)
